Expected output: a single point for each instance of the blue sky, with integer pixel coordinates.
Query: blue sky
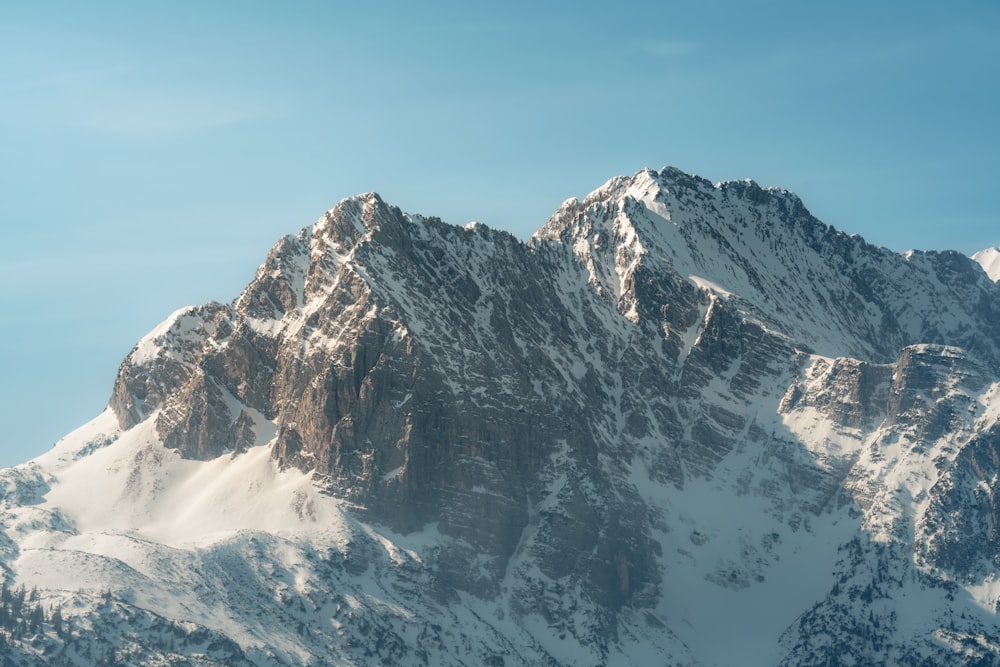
(153, 151)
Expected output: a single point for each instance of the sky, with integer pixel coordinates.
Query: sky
(151, 152)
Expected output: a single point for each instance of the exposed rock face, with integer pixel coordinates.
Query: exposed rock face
(671, 382)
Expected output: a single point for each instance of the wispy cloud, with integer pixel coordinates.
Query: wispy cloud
(671, 48)
(170, 110)
(860, 54)
(128, 100)
(18, 80)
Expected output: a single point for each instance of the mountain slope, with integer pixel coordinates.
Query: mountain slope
(989, 259)
(679, 407)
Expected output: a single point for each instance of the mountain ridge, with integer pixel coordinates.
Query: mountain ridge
(674, 406)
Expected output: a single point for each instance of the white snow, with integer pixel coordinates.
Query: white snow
(137, 486)
(989, 259)
(148, 347)
(727, 595)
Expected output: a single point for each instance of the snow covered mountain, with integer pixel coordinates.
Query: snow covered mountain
(685, 424)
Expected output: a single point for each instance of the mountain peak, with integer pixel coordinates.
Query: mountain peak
(354, 218)
(762, 250)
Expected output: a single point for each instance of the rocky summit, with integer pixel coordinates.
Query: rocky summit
(684, 424)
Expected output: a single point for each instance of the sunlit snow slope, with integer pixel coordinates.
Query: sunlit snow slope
(989, 259)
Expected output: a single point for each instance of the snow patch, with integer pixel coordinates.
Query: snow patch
(149, 345)
(989, 259)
